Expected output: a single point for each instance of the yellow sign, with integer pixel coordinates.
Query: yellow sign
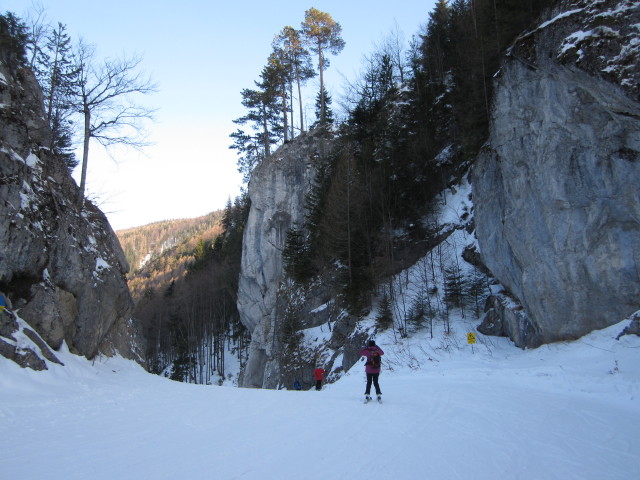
(471, 338)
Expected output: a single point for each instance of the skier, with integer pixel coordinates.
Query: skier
(372, 367)
(318, 373)
(3, 302)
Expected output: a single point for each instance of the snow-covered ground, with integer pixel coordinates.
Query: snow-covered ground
(563, 411)
(451, 410)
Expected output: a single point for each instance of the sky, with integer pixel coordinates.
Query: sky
(202, 53)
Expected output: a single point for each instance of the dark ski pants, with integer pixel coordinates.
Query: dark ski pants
(318, 384)
(372, 377)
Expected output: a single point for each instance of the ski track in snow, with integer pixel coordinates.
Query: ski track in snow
(564, 411)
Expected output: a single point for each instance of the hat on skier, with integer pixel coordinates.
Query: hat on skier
(372, 343)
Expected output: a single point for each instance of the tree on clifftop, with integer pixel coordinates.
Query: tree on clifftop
(323, 35)
(13, 40)
(105, 100)
(57, 74)
(264, 105)
(299, 62)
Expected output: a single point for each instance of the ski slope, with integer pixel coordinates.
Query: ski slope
(563, 411)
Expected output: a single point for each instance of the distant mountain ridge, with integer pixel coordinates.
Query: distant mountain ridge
(160, 252)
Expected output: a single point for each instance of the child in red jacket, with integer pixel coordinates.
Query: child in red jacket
(318, 373)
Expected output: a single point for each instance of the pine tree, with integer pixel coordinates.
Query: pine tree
(417, 312)
(370, 92)
(58, 76)
(455, 286)
(384, 318)
(13, 40)
(298, 61)
(278, 74)
(322, 34)
(328, 112)
(436, 43)
(250, 152)
(291, 351)
(296, 256)
(263, 118)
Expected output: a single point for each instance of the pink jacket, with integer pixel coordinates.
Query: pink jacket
(366, 352)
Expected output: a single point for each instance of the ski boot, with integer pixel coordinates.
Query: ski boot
(380, 398)
(367, 398)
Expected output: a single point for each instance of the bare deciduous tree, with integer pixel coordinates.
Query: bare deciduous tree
(38, 29)
(106, 101)
(393, 45)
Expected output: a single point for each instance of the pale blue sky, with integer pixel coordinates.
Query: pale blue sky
(202, 53)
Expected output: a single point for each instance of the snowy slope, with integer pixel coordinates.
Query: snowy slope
(451, 411)
(565, 411)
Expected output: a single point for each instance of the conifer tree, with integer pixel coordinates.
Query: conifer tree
(376, 83)
(278, 74)
(299, 63)
(263, 119)
(13, 38)
(296, 256)
(436, 42)
(249, 149)
(58, 76)
(384, 318)
(328, 112)
(322, 34)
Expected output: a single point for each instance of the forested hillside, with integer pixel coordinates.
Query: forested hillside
(185, 292)
(373, 180)
(160, 252)
(412, 123)
(416, 118)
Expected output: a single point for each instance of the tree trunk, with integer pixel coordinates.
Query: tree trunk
(321, 65)
(85, 156)
(284, 113)
(292, 108)
(300, 102)
(265, 125)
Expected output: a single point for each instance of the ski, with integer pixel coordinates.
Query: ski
(368, 399)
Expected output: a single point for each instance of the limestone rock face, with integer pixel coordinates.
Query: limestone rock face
(556, 197)
(277, 192)
(63, 271)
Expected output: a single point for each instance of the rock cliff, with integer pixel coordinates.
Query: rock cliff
(277, 192)
(62, 271)
(557, 208)
(555, 197)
